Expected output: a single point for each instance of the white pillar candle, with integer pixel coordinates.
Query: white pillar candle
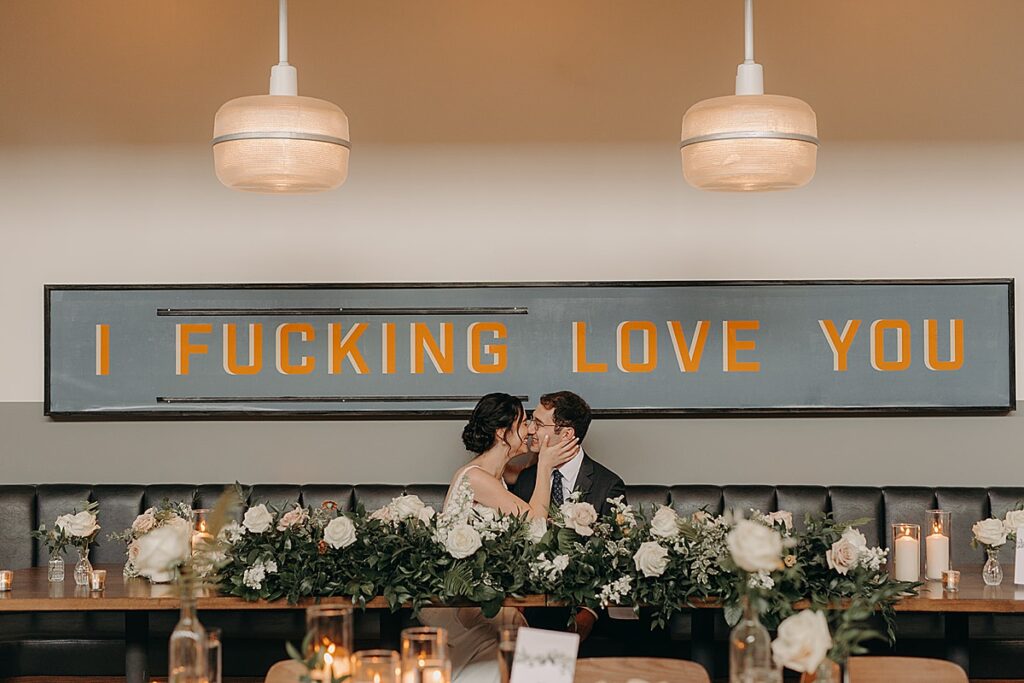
(936, 552)
(907, 562)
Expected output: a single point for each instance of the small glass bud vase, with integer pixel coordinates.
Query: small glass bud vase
(750, 650)
(83, 567)
(992, 573)
(55, 570)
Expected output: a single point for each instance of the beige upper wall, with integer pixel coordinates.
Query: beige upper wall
(125, 71)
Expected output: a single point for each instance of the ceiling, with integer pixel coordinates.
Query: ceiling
(496, 71)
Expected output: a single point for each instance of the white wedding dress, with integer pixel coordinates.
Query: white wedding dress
(472, 637)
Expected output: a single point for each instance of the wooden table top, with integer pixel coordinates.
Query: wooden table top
(33, 593)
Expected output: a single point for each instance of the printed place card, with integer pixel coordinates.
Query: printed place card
(545, 656)
(1018, 565)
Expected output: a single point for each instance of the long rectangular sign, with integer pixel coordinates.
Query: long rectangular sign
(629, 348)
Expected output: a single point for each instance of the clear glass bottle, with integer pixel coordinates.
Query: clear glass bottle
(187, 658)
(992, 572)
(750, 650)
(55, 570)
(83, 567)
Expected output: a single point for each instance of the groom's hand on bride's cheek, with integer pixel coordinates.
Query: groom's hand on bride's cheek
(585, 621)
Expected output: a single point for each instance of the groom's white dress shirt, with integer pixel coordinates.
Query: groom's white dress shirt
(570, 472)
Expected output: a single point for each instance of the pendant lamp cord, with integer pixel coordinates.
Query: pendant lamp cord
(283, 31)
(748, 32)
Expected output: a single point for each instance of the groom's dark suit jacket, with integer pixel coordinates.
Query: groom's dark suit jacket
(595, 482)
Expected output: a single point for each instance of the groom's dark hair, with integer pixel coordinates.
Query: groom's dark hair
(570, 411)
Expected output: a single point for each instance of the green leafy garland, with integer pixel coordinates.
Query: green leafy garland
(411, 556)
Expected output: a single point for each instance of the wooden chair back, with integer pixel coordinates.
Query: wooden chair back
(652, 669)
(904, 669)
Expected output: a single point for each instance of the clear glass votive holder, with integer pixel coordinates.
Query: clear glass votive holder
(507, 638)
(938, 525)
(214, 655)
(331, 639)
(425, 655)
(98, 580)
(200, 536)
(6, 579)
(951, 580)
(906, 551)
(376, 666)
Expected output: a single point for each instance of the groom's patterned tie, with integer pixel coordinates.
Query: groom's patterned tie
(557, 491)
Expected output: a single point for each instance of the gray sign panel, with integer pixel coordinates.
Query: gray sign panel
(659, 348)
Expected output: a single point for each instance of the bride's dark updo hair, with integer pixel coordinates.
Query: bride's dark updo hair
(493, 412)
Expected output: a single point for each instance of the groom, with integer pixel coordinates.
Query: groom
(557, 414)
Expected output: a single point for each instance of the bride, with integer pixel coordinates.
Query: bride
(496, 432)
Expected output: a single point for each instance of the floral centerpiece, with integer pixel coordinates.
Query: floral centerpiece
(78, 529)
(177, 515)
(483, 551)
(584, 561)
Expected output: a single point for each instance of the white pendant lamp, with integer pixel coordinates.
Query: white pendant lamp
(749, 141)
(281, 142)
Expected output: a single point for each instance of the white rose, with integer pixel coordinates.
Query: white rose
(845, 553)
(383, 514)
(258, 519)
(579, 517)
(754, 547)
(426, 514)
(144, 522)
(292, 518)
(407, 506)
(665, 523)
(1013, 521)
(538, 527)
(990, 532)
(161, 550)
(842, 556)
(81, 525)
(340, 533)
(786, 518)
(651, 559)
(803, 641)
(463, 540)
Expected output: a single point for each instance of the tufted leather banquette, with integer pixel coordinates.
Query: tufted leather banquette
(37, 644)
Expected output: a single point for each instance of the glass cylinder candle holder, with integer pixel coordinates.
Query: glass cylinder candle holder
(200, 536)
(330, 630)
(937, 524)
(951, 580)
(98, 580)
(376, 666)
(6, 579)
(425, 655)
(906, 551)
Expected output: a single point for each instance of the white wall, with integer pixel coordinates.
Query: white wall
(132, 214)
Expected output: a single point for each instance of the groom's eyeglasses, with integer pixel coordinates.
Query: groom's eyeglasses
(534, 422)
